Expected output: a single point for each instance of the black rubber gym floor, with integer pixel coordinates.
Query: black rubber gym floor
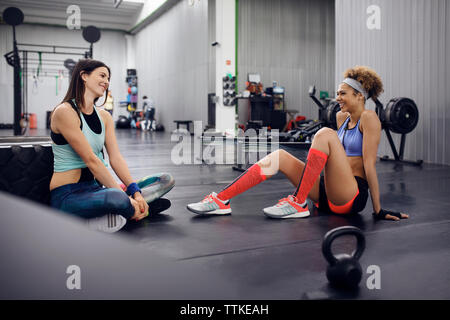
(246, 255)
(273, 259)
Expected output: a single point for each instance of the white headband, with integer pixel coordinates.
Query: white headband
(356, 85)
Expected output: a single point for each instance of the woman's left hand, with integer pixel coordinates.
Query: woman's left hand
(142, 203)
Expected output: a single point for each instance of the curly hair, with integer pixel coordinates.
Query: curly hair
(368, 78)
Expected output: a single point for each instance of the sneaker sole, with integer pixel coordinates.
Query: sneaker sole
(293, 215)
(112, 224)
(216, 212)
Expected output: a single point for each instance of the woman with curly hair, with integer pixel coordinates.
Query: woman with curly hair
(347, 158)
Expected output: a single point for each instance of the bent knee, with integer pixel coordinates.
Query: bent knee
(281, 153)
(116, 200)
(325, 132)
(270, 164)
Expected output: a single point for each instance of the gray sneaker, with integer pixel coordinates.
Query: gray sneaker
(287, 208)
(210, 205)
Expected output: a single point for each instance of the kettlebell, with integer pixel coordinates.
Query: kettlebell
(344, 271)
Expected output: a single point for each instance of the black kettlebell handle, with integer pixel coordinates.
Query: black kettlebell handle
(331, 235)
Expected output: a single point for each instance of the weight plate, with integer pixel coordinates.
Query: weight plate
(401, 115)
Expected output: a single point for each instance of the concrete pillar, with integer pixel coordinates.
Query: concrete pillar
(225, 61)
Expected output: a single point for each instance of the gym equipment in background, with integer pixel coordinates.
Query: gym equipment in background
(70, 65)
(327, 111)
(344, 270)
(14, 17)
(135, 117)
(266, 107)
(307, 128)
(400, 116)
(130, 103)
(278, 97)
(229, 90)
(132, 88)
(91, 34)
(123, 123)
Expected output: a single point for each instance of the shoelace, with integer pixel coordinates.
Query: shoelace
(284, 200)
(208, 198)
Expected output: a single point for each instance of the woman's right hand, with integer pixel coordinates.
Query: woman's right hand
(138, 215)
(389, 215)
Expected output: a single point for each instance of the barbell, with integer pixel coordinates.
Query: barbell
(399, 116)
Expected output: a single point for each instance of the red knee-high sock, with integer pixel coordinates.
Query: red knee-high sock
(315, 162)
(250, 178)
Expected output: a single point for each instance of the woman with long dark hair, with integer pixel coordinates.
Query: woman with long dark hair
(81, 183)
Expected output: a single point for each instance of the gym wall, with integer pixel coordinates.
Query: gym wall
(44, 97)
(211, 49)
(6, 77)
(291, 42)
(172, 63)
(410, 52)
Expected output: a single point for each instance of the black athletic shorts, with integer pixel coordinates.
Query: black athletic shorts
(358, 204)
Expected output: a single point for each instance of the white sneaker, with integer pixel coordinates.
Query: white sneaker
(210, 205)
(287, 208)
(109, 223)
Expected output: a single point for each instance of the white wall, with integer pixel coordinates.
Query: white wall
(410, 52)
(111, 49)
(291, 42)
(172, 63)
(148, 8)
(225, 61)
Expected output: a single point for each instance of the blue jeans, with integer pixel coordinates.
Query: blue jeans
(90, 200)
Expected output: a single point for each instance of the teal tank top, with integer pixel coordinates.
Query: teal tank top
(65, 158)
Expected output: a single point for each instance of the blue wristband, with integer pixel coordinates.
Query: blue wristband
(133, 188)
